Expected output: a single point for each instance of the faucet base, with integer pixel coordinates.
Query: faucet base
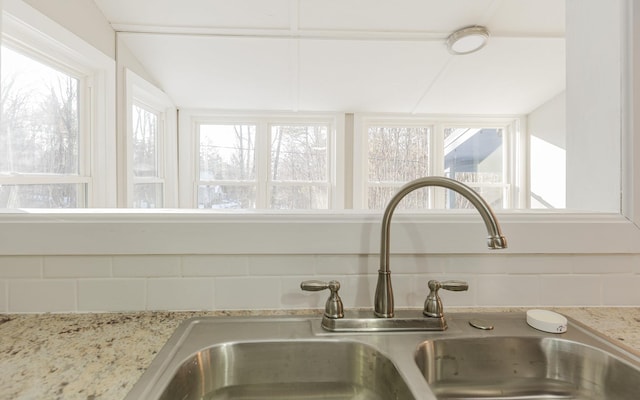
(364, 321)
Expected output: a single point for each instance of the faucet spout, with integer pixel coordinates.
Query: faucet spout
(383, 301)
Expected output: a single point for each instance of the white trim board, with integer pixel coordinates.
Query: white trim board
(185, 232)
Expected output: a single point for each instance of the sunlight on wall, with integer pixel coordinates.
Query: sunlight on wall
(548, 175)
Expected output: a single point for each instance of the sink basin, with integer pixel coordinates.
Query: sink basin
(287, 370)
(524, 368)
(269, 358)
(295, 358)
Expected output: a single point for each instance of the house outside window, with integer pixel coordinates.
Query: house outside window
(477, 157)
(396, 150)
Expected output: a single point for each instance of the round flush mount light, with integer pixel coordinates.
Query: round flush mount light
(467, 40)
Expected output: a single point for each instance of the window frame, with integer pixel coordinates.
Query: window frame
(84, 79)
(25, 29)
(259, 143)
(140, 92)
(271, 183)
(188, 136)
(514, 151)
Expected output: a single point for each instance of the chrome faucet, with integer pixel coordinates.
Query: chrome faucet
(432, 316)
(383, 301)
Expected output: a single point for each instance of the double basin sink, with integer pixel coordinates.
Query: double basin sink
(294, 358)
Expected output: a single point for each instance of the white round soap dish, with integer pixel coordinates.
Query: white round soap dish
(547, 321)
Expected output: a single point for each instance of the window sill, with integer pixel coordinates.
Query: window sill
(109, 231)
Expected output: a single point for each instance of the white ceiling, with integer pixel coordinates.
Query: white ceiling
(346, 55)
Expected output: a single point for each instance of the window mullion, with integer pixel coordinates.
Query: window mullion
(86, 137)
(263, 167)
(437, 197)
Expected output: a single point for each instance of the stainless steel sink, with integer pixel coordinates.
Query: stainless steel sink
(294, 358)
(524, 368)
(299, 369)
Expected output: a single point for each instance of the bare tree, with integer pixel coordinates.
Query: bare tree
(39, 135)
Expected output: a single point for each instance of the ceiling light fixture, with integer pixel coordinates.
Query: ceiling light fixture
(467, 40)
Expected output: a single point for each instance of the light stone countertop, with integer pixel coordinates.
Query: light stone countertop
(101, 356)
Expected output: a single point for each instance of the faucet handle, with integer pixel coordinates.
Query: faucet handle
(333, 308)
(433, 305)
(454, 286)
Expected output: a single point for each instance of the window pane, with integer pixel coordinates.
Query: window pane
(147, 195)
(299, 197)
(40, 124)
(145, 142)
(299, 153)
(227, 152)
(227, 196)
(398, 154)
(378, 198)
(475, 156)
(63, 195)
(494, 196)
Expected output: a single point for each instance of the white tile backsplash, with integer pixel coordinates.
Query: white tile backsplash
(4, 297)
(281, 265)
(222, 265)
(357, 291)
(476, 264)
(111, 294)
(253, 293)
(42, 295)
(536, 264)
(219, 282)
(601, 264)
(21, 267)
(418, 264)
(620, 290)
(77, 267)
(635, 261)
(146, 266)
(522, 290)
(571, 290)
(180, 294)
(346, 264)
(408, 291)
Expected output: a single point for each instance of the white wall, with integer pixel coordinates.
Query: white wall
(83, 18)
(549, 121)
(594, 95)
(547, 129)
(127, 60)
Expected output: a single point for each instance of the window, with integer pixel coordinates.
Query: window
(227, 168)
(57, 131)
(299, 167)
(398, 150)
(148, 185)
(273, 162)
(397, 155)
(477, 157)
(43, 138)
(150, 164)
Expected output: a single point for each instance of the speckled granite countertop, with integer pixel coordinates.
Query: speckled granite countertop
(101, 356)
